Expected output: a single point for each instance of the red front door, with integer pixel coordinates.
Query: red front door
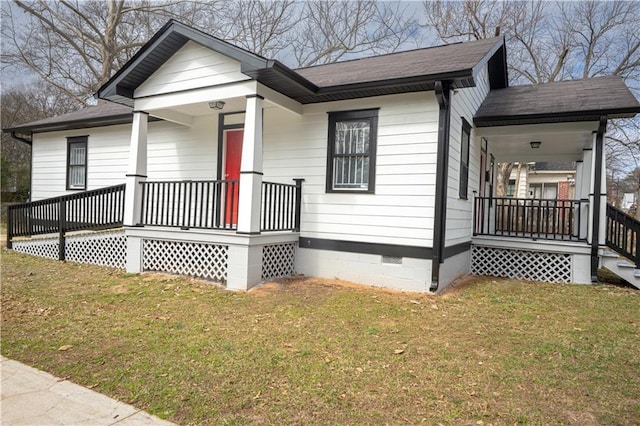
(233, 156)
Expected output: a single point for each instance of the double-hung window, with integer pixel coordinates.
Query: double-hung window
(77, 162)
(464, 159)
(351, 158)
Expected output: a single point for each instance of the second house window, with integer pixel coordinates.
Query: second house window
(351, 158)
(77, 162)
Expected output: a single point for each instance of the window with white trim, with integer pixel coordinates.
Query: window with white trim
(77, 162)
(351, 154)
(464, 158)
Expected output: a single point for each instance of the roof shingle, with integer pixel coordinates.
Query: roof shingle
(573, 100)
(425, 62)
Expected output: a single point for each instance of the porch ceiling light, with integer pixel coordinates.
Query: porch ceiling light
(535, 144)
(216, 104)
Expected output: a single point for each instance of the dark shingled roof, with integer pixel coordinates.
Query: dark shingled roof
(104, 114)
(426, 62)
(574, 100)
(410, 71)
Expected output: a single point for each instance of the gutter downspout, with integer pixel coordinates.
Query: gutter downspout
(15, 136)
(443, 93)
(597, 195)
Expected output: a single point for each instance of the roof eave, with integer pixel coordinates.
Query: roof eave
(76, 124)
(559, 117)
(460, 79)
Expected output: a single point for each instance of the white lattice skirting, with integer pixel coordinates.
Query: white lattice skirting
(39, 246)
(208, 261)
(278, 260)
(107, 248)
(521, 264)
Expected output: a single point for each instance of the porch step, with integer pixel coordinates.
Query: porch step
(607, 253)
(625, 264)
(621, 267)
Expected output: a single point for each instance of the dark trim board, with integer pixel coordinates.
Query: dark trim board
(366, 248)
(457, 249)
(393, 250)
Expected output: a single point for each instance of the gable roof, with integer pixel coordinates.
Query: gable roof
(563, 101)
(408, 71)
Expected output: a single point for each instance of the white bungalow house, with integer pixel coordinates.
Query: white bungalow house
(208, 160)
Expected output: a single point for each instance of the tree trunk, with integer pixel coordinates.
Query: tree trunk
(502, 178)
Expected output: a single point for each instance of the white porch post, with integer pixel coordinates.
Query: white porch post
(136, 173)
(251, 169)
(137, 170)
(587, 187)
(245, 260)
(603, 197)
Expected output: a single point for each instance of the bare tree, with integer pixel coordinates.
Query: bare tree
(76, 46)
(262, 27)
(22, 104)
(331, 31)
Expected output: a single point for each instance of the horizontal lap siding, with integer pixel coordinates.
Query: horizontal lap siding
(464, 103)
(174, 152)
(401, 210)
(107, 154)
(178, 152)
(190, 67)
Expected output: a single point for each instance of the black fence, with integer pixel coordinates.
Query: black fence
(213, 204)
(206, 204)
(88, 210)
(531, 218)
(281, 206)
(623, 232)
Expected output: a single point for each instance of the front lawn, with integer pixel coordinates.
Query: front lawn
(315, 352)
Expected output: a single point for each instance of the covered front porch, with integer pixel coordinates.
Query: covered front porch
(234, 227)
(555, 239)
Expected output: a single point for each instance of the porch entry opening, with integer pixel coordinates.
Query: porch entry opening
(232, 159)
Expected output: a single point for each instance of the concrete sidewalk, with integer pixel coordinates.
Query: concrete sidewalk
(33, 397)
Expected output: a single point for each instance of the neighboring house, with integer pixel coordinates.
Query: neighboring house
(543, 180)
(628, 201)
(378, 170)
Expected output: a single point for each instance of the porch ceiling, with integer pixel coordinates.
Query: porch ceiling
(560, 141)
(183, 114)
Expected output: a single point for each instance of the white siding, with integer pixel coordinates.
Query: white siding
(174, 152)
(107, 153)
(401, 210)
(191, 67)
(464, 103)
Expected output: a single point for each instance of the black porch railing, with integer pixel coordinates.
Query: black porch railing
(213, 204)
(89, 210)
(531, 218)
(623, 232)
(205, 204)
(281, 206)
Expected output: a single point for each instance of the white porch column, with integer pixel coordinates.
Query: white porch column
(587, 186)
(579, 173)
(251, 168)
(137, 170)
(603, 196)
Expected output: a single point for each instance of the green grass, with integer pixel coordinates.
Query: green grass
(314, 352)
